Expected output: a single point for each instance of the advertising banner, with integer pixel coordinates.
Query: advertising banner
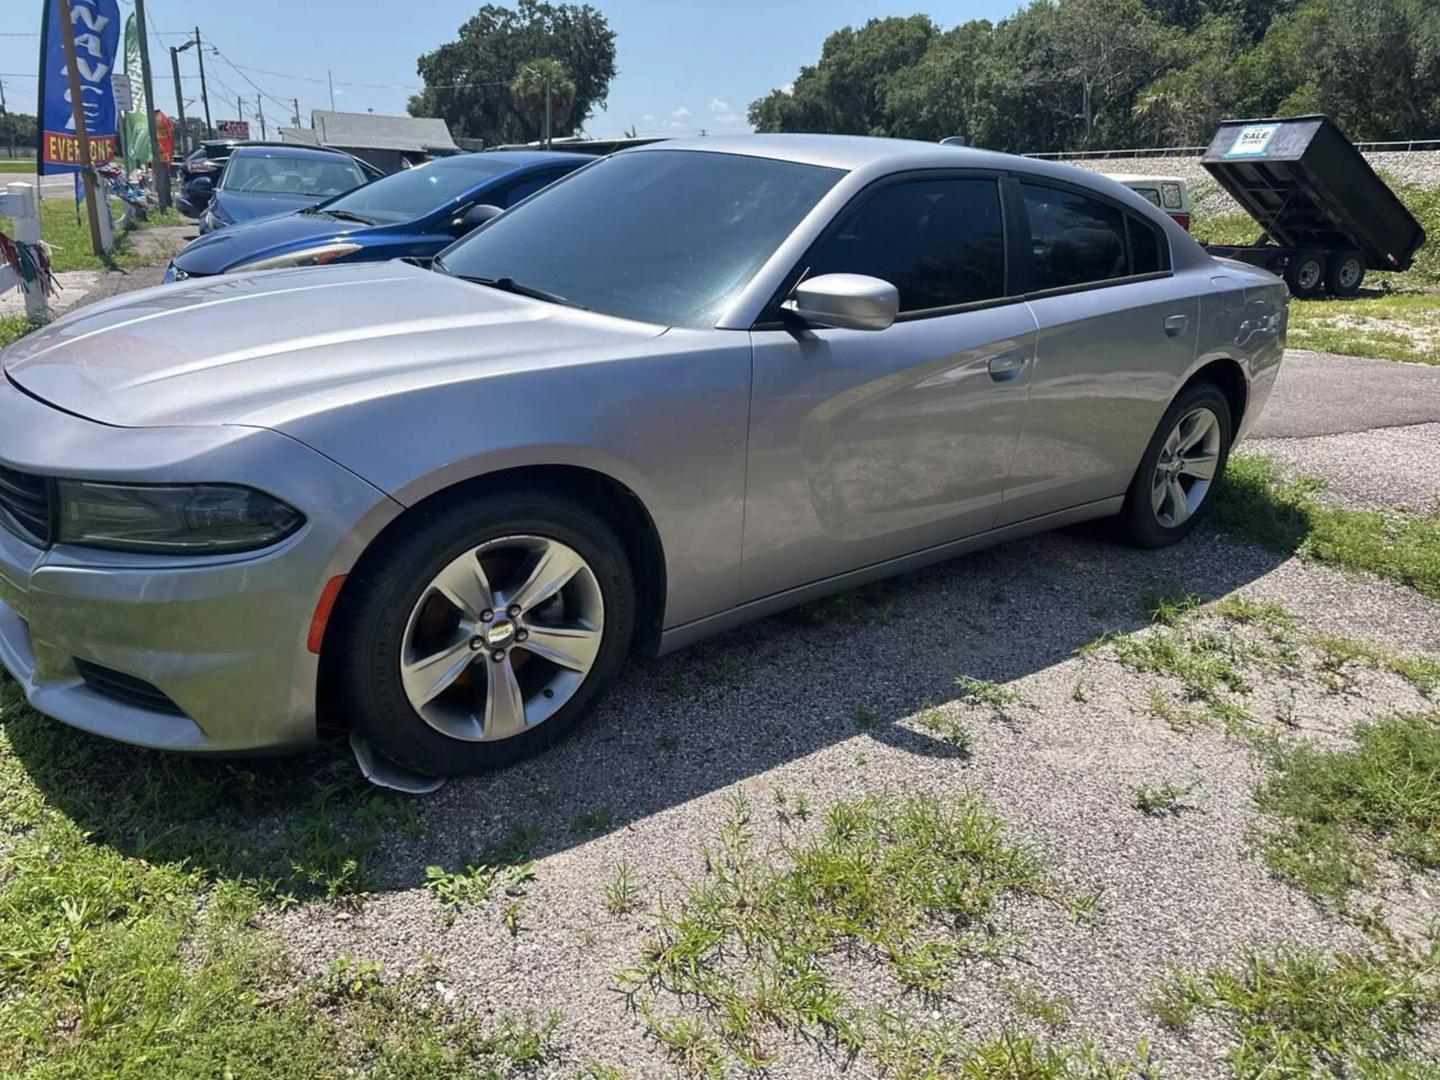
(97, 40)
(137, 117)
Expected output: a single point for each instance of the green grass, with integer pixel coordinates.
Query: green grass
(984, 692)
(17, 165)
(1334, 811)
(115, 964)
(1257, 505)
(1400, 326)
(69, 238)
(13, 329)
(1296, 1013)
(912, 886)
(1165, 799)
(908, 1050)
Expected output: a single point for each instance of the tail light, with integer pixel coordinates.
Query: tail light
(1183, 220)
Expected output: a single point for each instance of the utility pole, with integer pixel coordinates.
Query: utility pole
(160, 166)
(331, 76)
(297, 112)
(5, 119)
(204, 97)
(260, 112)
(547, 107)
(180, 101)
(77, 109)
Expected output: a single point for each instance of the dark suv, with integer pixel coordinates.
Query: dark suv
(199, 174)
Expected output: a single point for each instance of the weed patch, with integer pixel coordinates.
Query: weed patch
(1333, 811)
(908, 885)
(1283, 515)
(1302, 1013)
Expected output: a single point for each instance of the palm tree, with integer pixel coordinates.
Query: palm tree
(528, 90)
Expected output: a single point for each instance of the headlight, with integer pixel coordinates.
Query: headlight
(172, 518)
(316, 256)
(173, 274)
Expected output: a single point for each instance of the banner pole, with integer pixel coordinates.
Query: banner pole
(77, 108)
(160, 166)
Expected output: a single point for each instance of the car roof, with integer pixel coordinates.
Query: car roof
(288, 150)
(855, 152)
(521, 158)
(1144, 178)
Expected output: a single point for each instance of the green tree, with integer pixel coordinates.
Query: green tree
(846, 92)
(529, 88)
(469, 81)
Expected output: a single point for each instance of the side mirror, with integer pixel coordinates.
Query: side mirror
(845, 302)
(476, 216)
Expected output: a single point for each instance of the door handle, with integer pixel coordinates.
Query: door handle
(1176, 325)
(1006, 366)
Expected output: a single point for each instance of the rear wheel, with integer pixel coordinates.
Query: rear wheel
(485, 632)
(1178, 472)
(1305, 275)
(1344, 272)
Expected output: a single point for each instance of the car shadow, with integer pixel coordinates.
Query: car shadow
(674, 729)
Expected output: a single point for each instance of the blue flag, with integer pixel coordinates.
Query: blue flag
(97, 41)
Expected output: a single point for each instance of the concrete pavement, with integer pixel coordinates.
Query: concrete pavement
(1324, 394)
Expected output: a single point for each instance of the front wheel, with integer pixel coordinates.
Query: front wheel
(484, 632)
(1179, 469)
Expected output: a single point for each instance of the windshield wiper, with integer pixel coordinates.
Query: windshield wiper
(343, 215)
(510, 285)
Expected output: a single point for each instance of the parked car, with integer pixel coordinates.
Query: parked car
(1169, 193)
(686, 387)
(198, 175)
(410, 214)
(260, 181)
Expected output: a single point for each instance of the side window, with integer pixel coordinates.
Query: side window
(1076, 239)
(940, 242)
(1145, 246)
(523, 189)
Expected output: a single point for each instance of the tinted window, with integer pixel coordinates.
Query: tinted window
(1145, 248)
(271, 174)
(525, 188)
(1076, 239)
(665, 236)
(412, 193)
(940, 242)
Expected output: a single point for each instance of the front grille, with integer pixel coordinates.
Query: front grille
(126, 689)
(25, 504)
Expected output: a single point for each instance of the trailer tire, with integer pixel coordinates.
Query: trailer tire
(1305, 274)
(1344, 271)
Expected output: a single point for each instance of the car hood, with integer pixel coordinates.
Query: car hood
(246, 242)
(268, 347)
(246, 207)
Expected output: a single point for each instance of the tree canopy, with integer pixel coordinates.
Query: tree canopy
(1078, 74)
(479, 82)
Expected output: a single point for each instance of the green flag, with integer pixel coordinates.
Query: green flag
(137, 123)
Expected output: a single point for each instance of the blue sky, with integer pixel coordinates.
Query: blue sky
(682, 66)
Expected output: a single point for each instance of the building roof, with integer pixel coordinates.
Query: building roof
(369, 131)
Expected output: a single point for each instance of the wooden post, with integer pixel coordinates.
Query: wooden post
(77, 109)
(160, 166)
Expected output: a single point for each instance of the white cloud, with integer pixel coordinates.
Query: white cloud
(648, 117)
(718, 106)
(681, 113)
(788, 88)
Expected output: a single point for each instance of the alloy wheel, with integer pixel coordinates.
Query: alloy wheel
(1186, 467)
(502, 638)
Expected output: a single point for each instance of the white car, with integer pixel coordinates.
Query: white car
(1170, 193)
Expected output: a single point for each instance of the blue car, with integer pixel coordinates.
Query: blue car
(416, 214)
(261, 181)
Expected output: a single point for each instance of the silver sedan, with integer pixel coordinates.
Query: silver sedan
(688, 386)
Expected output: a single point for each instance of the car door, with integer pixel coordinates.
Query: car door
(1117, 333)
(868, 445)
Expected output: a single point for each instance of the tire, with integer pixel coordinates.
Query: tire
(1344, 271)
(1147, 525)
(1305, 274)
(392, 612)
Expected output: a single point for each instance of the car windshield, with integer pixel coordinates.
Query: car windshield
(412, 193)
(663, 236)
(282, 174)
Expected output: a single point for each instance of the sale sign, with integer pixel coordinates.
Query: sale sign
(96, 25)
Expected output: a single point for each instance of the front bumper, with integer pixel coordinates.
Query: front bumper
(222, 637)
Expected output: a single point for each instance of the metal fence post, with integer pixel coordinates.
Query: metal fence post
(24, 207)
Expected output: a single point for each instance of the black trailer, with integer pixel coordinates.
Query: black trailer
(1325, 214)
